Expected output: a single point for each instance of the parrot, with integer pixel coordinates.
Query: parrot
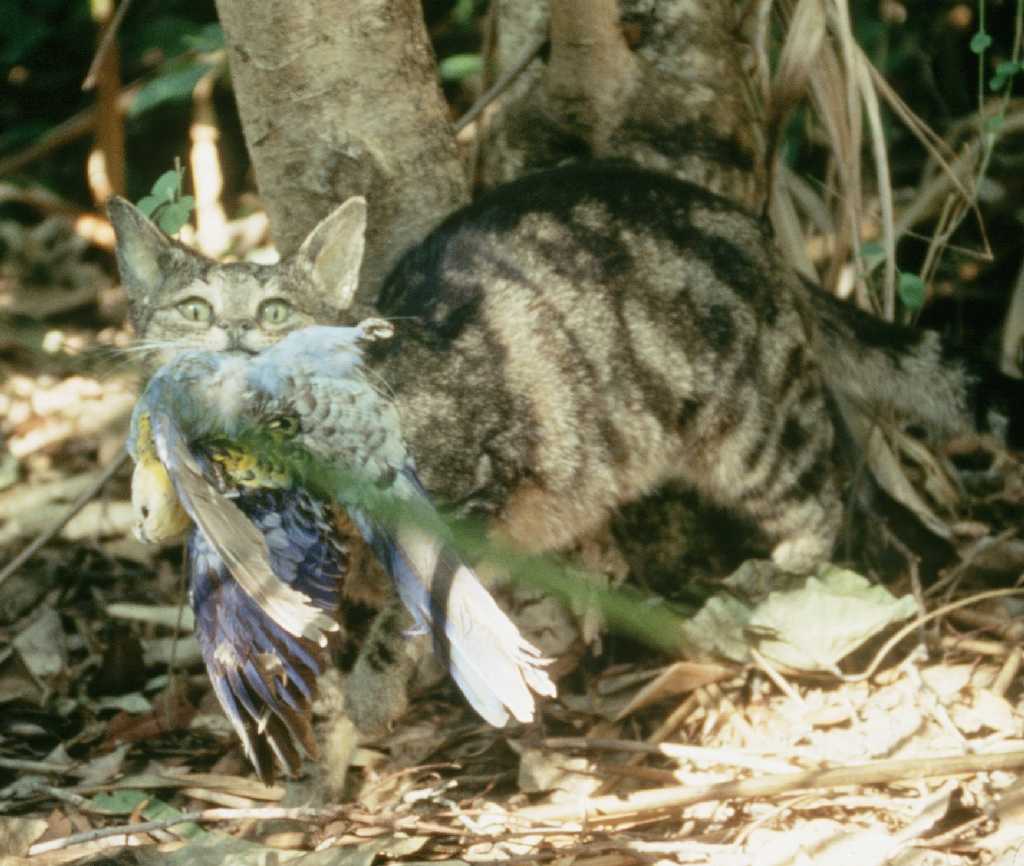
(235, 446)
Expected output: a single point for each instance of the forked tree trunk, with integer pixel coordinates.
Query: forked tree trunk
(665, 83)
(341, 98)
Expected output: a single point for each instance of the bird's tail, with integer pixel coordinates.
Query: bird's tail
(497, 669)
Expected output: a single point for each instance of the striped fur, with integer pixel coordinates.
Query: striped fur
(579, 338)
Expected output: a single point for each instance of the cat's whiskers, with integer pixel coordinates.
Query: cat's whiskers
(116, 358)
(141, 346)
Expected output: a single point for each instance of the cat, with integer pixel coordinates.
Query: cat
(578, 338)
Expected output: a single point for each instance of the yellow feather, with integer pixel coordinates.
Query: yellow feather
(159, 516)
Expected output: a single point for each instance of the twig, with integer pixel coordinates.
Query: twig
(1008, 672)
(920, 621)
(700, 755)
(678, 796)
(73, 509)
(83, 804)
(105, 42)
(41, 199)
(36, 766)
(261, 813)
(501, 85)
(770, 671)
(671, 724)
(968, 558)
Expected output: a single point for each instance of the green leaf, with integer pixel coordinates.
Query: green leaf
(209, 38)
(460, 66)
(125, 802)
(1004, 72)
(872, 250)
(462, 14)
(121, 802)
(173, 216)
(168, 87)
(813, 627)
(912, 291)
(995, 123)
(148, 203)
(168, 33)
(167, 186)
(980, 42)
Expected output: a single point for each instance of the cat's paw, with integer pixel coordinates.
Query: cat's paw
(377, 689)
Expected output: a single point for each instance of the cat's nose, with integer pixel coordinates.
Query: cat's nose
(237, 335)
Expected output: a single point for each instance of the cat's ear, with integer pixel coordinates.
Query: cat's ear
(333, 252)
(142, 249)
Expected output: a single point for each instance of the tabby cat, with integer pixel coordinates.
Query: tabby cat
(573, 340)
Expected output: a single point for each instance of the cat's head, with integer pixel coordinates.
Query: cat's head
(179, 299)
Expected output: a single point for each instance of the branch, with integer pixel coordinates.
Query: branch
(596, 810)
(73, 509)
(592, 70)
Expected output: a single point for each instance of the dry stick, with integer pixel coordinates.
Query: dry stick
(678, 796)
(105, 44)
(41, 199)
(967, 559)
(500, 86)
(1008, 672)
(105, 165)
(917, 623)
(669, 726)
(73, 509)
(83, 804)
(36, 766)
(676, 751)
(260, 813)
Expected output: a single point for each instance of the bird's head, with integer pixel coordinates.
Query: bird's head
(158, 513)
(284, 384)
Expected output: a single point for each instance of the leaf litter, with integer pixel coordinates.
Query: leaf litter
(790, 729)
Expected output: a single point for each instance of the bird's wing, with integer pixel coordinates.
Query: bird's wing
(238, 542)
(496, 668)
(265, 677)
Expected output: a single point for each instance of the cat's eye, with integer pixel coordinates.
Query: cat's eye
(275, 312)
(286, 425)
(196, 310)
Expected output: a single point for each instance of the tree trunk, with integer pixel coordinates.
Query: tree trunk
(341, 98)
(665, 83)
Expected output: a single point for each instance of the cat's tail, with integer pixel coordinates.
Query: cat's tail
(913, 375)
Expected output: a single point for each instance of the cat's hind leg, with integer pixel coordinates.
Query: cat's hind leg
(798, 502)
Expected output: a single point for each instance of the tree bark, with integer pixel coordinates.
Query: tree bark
(681, 102)
(341, 98)
(591, 72)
